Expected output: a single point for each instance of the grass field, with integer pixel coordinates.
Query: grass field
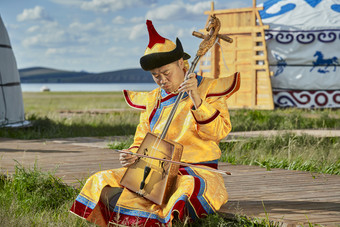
(33, 198)
(77, 114)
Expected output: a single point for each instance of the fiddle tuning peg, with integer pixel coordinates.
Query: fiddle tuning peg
(147, 170)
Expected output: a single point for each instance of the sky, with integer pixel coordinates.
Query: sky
(100, 35)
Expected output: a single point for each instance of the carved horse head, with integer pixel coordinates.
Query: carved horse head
(213, 25)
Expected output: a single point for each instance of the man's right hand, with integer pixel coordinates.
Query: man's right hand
(127, 159)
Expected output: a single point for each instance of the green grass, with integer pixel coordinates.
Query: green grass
(55, 126)
(49, 102)
(48, 114)
(284, 119)
(63, 114)
(306, 153)
(236, 221)
(34, 198)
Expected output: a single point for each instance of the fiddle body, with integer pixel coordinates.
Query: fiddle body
(157, 184)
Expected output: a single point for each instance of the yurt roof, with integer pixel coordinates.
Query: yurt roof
(301, 14)
(4, 39)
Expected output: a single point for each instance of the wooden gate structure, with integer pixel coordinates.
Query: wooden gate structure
(247, 55)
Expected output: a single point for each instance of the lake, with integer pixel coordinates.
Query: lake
(32, 87)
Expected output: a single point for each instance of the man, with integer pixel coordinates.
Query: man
(200, 122)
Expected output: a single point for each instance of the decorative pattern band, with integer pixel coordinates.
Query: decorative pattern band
(303, 36)
(307, 99)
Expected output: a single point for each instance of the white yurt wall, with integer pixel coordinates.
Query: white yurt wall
(11, 102)
(303, 44)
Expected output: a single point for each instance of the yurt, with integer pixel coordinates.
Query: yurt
(303, 45)
(11, 103)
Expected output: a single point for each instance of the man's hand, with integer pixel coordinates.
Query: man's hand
(190, 86)
(127, 159)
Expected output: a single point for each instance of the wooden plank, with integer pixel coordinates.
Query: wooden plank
(258, 17)
(260, 57)
(232, 11)
(240, 30)
(260, 67)
(259, 48)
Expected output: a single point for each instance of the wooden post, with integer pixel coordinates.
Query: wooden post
(215, 51)
(212, 6)
(254, 70)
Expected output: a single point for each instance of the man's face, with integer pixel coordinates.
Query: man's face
(169, 76)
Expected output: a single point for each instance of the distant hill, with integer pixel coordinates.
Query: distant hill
(47, 75)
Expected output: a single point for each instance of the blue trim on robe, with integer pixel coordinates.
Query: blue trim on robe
(86, 202)
(149, 215)
(200, 197)
(168, 103)
(208, 162)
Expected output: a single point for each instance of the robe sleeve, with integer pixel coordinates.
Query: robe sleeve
(142, 128)
(138, 100)
(212, 120)
(212, 117)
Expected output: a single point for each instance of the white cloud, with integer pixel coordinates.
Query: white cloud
(123, 20)
(37, 13)
(137, 19)
(53, 51)
(79, 27)
(166, 12)
(80, 51)
(137, 31)
(94, 33)
(33, 28)
(47, 35)
(106, 6)
(68, 2)
(178, 11)
(119, 51)
(233, 5)
(119, 20)
(45, 40)
(199, 8)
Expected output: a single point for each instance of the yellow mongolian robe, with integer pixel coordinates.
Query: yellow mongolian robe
(198, 192)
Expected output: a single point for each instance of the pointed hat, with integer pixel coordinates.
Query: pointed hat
(160, 50)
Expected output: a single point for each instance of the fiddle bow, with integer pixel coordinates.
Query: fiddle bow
(158, 175)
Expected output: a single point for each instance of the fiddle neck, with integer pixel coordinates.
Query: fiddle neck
(178, 99)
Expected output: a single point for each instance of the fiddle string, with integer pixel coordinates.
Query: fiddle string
(224, 61)
(154, 147)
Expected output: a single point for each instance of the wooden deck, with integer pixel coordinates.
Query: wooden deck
(290, 197)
